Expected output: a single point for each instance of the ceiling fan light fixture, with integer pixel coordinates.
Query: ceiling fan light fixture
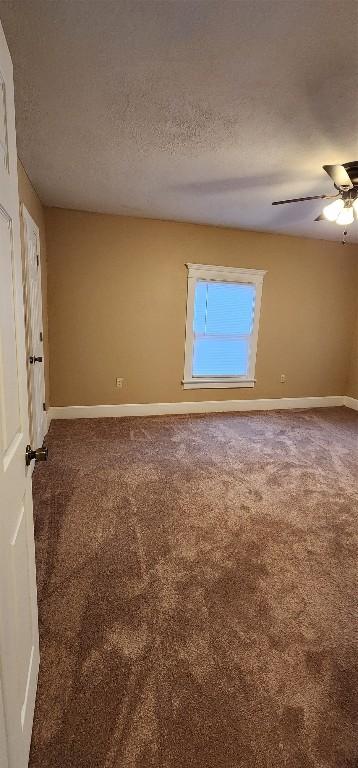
(331, 211)
(346, 216)
(355, 207)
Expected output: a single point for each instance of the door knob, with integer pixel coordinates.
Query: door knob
(34, 359)
(40, 454)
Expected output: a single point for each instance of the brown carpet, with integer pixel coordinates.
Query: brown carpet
(197, 580)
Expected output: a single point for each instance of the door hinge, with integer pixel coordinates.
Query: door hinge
(41, 336)
(37, 259)
(44, 406)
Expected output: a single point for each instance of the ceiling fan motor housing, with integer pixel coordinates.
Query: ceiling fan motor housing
(352, 170)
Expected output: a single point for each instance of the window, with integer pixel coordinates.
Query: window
(223, 310)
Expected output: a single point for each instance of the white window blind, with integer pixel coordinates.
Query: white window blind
(222, 326)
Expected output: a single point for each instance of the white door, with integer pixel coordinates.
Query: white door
(19, 648)
(33, 317)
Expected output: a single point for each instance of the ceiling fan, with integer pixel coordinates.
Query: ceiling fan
(344, 208)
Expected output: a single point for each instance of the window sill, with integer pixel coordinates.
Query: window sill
(218, 383)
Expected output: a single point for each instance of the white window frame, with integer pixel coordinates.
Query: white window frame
(210, 273)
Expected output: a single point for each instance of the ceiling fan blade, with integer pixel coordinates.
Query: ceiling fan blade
(301, 199)
(338, 175)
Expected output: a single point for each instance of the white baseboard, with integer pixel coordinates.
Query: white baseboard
(351, 402)
(206, 406)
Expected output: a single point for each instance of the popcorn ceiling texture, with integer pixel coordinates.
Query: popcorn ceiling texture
(197, 592)
(202, 110)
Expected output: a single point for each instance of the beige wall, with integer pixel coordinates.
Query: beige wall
(117, 294)
(352, 389)
(30, 199)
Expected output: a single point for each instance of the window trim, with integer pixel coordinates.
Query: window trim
(212, 273)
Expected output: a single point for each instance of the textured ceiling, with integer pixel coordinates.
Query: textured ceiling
(194, 110)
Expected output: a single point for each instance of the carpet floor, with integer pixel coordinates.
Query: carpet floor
(197, 590)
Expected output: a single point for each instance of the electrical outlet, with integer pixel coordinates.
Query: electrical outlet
(119, 382)
(283, 378)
